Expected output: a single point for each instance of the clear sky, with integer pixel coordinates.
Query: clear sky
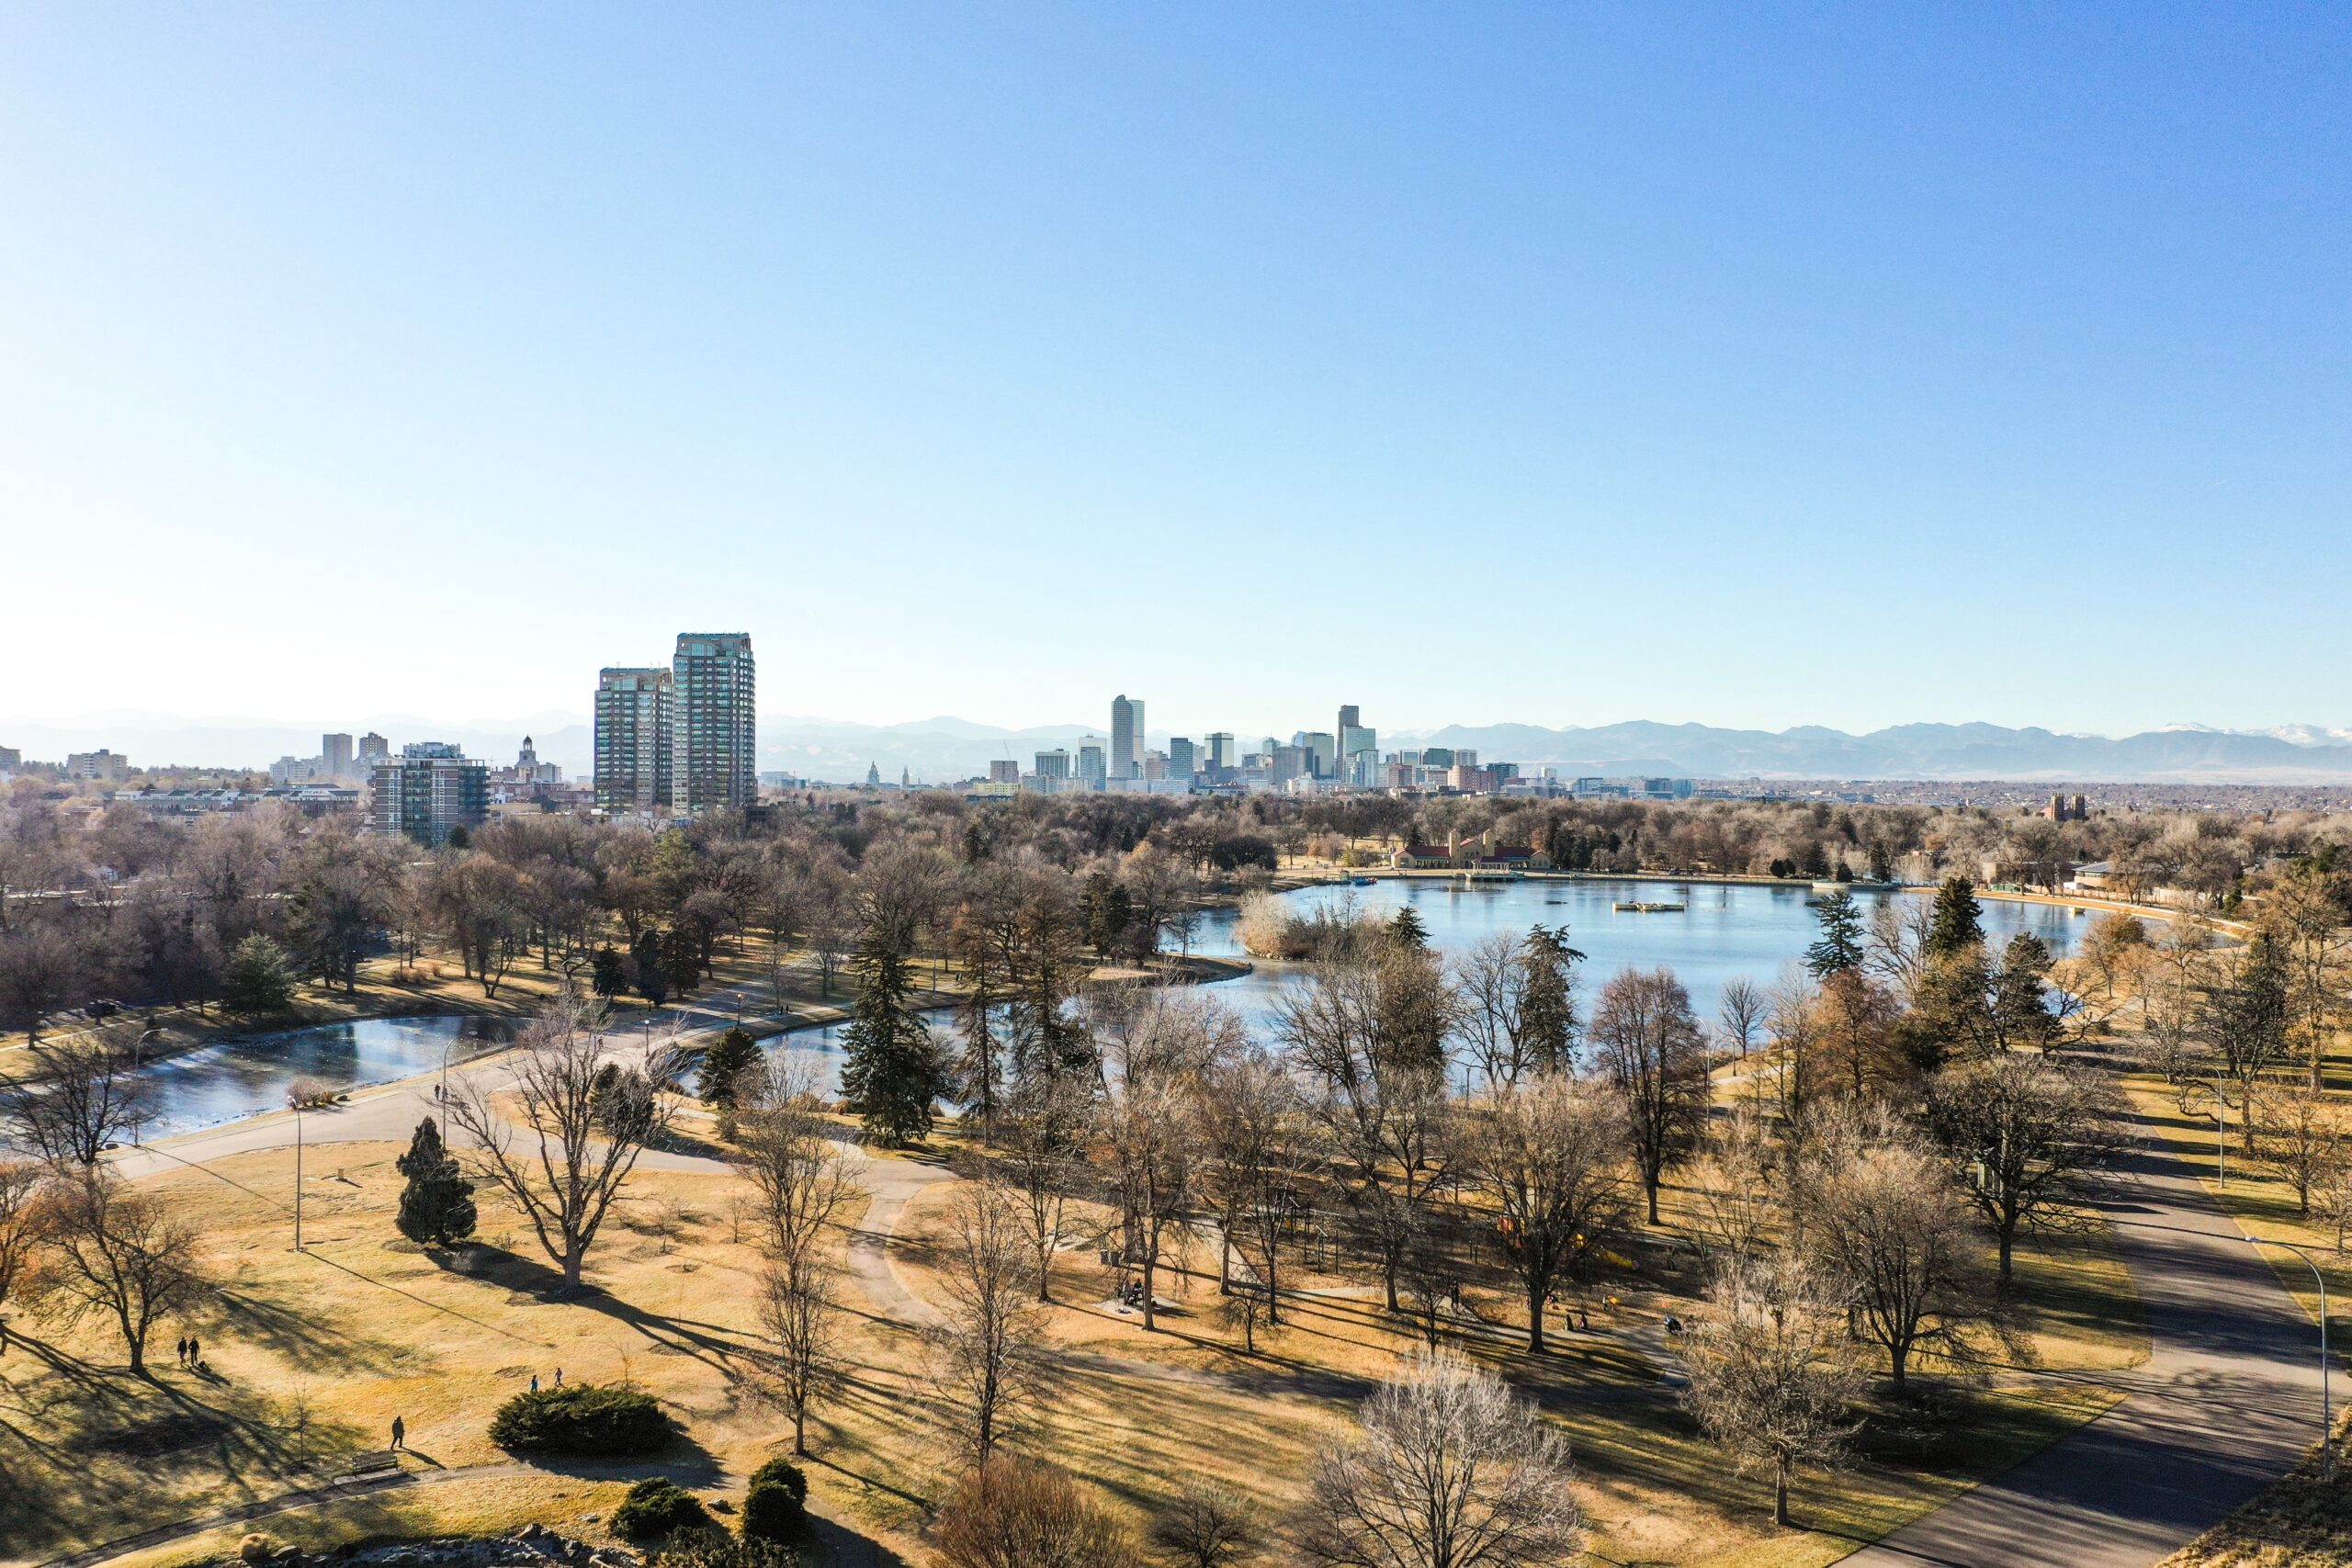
(1749, 363)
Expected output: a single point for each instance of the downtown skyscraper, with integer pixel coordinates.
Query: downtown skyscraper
(1126, 737)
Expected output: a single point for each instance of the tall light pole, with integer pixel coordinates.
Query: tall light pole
(2326, 1406)
(294, 1100)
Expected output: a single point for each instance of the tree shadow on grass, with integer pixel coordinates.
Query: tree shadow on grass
(712, 1343)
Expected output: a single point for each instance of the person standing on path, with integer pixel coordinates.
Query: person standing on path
(400, 1432)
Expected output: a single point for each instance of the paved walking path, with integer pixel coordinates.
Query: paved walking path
(2227, 1402)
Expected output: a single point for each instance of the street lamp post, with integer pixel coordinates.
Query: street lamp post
(2326, 1405)
(298, 1177)
(2221, 1135)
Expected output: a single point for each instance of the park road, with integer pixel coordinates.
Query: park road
(2228, 1401)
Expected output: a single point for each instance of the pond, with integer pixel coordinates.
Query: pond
(244, 1077)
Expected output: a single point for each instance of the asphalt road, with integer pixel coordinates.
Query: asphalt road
(2228, 1401)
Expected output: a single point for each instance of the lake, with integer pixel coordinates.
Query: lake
(244, 1077)
(1728, 929)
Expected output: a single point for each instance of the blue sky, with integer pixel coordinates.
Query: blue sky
(1753, 365)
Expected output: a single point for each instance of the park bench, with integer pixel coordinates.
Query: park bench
(374, 1462)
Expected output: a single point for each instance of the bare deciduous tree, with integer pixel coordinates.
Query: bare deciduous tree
(1149, 1134)
(1548, 1154)
(119, 1255)
(40, 970)
(1205, 1526)
(1741, 1012)
(585, 1115)
(1450, 1470)
(1888, 1230)
(89, 1097)
(984, 1354)
(2035, 1136)
(1249, 1114)
(1771, 1372)
(2302, 1137)
(1386, 1124)
(1652, 1053)
(1736, 1177)
(26, 1212)
(795, 1167)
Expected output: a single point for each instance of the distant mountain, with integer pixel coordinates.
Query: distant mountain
(946, 748)
(2177, 755)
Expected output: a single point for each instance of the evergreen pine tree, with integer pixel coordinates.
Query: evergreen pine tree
(724, 1065)
(1958, 922)
(611, 973)
(437, 1204)
(1547, 1006)
(653, 979)
(1840, 948)
(892, 1069)
(1407, 929)
(257, 978)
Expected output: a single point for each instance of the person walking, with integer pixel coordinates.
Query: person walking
(400, 1432)
(182, 1351)
(558, 1377)
(535, 1382)
(195, 1352)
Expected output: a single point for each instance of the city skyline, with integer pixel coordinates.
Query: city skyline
(1810, 367)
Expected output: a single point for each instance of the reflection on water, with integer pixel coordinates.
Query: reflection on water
(1727, 931)
(244, 1077)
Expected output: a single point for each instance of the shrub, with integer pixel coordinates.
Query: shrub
(1030, 1514)
(782, 1472)
(657, 1505)
(584, 1418)
(775, 1509)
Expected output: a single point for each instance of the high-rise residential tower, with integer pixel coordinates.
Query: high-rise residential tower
(1126, 737)
(634, 753)
(713, 731)
(335, 756)
(428, 792)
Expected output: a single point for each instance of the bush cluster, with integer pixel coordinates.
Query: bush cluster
(775, 1509)
(658, 1505)
(582, 1418)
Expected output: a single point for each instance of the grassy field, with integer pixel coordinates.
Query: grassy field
(310, 1355)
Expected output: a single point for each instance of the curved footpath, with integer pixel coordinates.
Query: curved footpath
(2227, 1402)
